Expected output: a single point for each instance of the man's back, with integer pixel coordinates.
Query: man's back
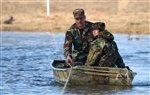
(111, 56)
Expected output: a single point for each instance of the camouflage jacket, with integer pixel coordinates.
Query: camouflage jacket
(80, 43)
(104, 52)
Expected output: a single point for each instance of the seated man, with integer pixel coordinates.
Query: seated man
(103, 50)
(77, 39)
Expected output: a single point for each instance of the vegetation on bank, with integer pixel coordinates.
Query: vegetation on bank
(128, 17)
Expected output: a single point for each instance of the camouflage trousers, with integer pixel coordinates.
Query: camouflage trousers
(76, 62)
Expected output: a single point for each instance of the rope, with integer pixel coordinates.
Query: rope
(51, 29)
(127, 73)
(66, 81)
(117, 76)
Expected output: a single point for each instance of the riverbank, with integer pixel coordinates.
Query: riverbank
(130, 17)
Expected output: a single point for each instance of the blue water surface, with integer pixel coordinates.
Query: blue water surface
(25, 70)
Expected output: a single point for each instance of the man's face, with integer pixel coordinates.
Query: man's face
(95, 32)
(80, 22)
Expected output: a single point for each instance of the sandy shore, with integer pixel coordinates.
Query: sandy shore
(131, 17)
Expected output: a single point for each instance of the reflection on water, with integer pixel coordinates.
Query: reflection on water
(96, 89)
(25, 69)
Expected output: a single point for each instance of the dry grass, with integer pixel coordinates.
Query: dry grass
(122, 16)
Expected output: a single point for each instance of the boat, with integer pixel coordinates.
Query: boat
(91, 75)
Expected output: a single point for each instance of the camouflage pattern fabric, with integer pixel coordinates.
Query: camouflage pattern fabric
(99, 25)
(104, 52)
(78, 13)
(91, 75)
(79, 42)
(119, 61)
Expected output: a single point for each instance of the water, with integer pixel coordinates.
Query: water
(25, 69)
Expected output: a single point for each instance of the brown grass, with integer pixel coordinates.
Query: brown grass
(124, 16)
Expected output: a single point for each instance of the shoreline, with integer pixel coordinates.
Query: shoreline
(120, 17)
(55, 23)
(65, 32)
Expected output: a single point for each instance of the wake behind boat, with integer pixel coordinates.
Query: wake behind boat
(91, 75)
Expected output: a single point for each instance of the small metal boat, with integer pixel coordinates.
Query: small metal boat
(91, 75)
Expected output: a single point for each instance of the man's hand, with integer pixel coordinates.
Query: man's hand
(68, 60)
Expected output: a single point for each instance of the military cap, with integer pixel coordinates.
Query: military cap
(78, 13)
(98, 25)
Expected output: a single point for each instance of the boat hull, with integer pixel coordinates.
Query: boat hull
(91, 75)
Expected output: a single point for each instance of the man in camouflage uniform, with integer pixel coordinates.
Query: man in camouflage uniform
(103, 51)
(78, 37)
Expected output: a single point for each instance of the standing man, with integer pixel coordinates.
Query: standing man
(77, 39)
(103, 51)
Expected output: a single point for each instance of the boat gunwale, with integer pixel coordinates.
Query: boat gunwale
(76, 67)
(59, 69)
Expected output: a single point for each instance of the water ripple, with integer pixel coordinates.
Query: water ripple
(25, 70)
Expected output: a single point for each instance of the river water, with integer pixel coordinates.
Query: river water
(25, 70)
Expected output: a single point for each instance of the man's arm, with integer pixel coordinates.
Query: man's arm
(68, 47)
(68, 44)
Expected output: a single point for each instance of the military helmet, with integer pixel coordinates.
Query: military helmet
(98, 25)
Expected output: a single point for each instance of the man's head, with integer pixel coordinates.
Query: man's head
(79, 18)
(97, 27)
